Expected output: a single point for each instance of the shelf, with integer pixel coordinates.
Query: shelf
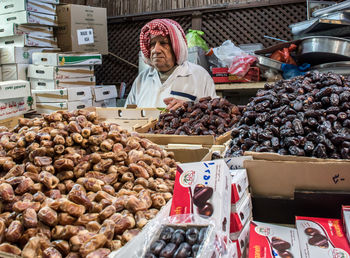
(239, 86)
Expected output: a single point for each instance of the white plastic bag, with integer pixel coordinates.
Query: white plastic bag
(226, 53)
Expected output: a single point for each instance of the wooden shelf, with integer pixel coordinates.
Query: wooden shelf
(239, 86)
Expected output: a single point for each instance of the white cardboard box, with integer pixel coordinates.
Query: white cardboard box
(13, 29)
(105, 103)
(42, 84)
(58, 72)
(47, 107)
(18, 55)
(68, 94)
(239, 184)
(11, 6)
(104, 92)
(242, 214)
(14, 89)
(243, 240)
(25, 17)
(26, 40)
(16, 106)
(67, 59)
(11, 72)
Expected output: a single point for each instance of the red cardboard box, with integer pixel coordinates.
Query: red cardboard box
(271, 241)
(242, 214)
(321, 237)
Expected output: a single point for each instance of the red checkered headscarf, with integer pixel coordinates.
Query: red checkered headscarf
(164, 27)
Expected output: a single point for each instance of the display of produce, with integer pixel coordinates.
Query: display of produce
(206, 117)
(305, 116)
(74, 187)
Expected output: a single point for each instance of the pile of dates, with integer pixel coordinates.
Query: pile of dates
(73, 187)
(205, 117)
(177, 243)
(305, 116)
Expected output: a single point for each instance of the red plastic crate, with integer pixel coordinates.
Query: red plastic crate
(221, 75)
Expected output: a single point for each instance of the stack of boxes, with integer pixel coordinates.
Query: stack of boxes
(63, 80)
(26, 26)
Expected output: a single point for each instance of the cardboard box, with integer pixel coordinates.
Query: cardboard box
(68, 94)
(243, 240)
(164, 139)
(204, 188)
(14, 89)
(221, 75)
(346, 221)
(49, 107)
(191, 155)
(241, 215)
(13, 29)
(25, 17)
(239, 184)
(74, 21)
(57, 72)
(104, 92)
(0, 74)
(11, 6)
(26, 40)
(15, 106)
(105, 103)
(127, 118)
(275, 175)
(42, 84)
(321, 237)
(10, 123)
(18, 55)
(67, 59)
(12, 72)
(271, 241)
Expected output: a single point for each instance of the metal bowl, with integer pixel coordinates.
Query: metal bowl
(268, 62)
(336, 67)
(320, 50)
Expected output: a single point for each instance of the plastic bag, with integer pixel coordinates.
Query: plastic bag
(194, 39)
(241, 64)
(213, 245)
(284, 55)
(226, 53)
(290, 71)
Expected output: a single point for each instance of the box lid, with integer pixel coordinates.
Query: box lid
(104, 92)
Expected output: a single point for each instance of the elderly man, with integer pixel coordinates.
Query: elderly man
(171, 80)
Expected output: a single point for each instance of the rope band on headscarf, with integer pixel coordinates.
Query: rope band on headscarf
(164, 27)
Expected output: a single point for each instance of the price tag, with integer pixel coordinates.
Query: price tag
(85, 36)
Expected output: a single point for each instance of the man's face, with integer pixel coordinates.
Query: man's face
(162, 54)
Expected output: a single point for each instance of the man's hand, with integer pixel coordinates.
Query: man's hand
(173, 103)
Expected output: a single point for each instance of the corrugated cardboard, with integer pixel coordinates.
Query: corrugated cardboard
(12, 72)
(104, 92)
(15, 106)
(47, 107)
(105, 103)
(67, 59)
(25, 17)
(27, 41)
(10, 123)
(191, 155)
(68, 94)
(57, 72)
(127, 118)
(14, 89)
(11, 6)
(274, 175)
(18, 55)
(73, 18)
(7, 30)
(42, 84)
(164, 139)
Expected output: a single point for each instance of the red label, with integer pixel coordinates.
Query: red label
(181, 203)
(234, 194)
(259, 245)
(236, 224)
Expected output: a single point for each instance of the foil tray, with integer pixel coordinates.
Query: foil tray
(268, 62)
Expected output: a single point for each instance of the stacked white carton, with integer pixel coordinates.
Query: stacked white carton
(104, 96)
(63, 81)
(26, 26)
(241, 204)
(15, 98)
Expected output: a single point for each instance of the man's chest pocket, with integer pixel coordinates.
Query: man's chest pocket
(184, 89)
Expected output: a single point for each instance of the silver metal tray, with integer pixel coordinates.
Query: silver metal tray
(320, 50)
(333, 8)
(268, 62)
(335, 67)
